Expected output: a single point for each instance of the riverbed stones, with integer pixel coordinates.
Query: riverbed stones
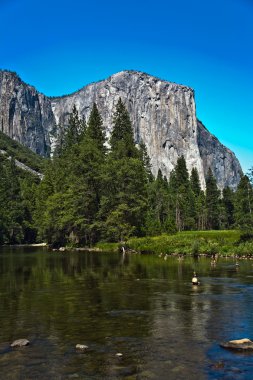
(239, 344)
(20, 343)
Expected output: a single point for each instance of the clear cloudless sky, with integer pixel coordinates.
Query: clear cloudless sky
(59, 46)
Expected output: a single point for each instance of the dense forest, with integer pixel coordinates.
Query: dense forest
(92, 193)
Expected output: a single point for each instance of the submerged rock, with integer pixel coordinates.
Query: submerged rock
(239, 344)
(20, 343)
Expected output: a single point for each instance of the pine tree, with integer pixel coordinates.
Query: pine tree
(4, 221)
(146, 161)
(72, 132)
(71, 190)
(194, 182)
(244, 205)
(181, 172)
(227, 206)
(95, 129)
(201, 211)
(124, 201)
(183, 196)
(28, 187)
(122, 139)
(196, 199)
(125, 193)
(212, 202)
(158, 205)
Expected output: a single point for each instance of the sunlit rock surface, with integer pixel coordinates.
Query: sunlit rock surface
(163, 115)
(25, 114)
(239, 344)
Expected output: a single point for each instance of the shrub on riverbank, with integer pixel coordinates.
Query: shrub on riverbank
(191, 243)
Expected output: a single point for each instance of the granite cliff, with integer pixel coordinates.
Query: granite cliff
(25, 115)
(163, 116)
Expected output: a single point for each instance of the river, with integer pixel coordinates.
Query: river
(141, 306)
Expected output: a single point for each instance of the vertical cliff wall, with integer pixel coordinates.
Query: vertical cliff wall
(25, 114)
(163, 115)
(225, 166)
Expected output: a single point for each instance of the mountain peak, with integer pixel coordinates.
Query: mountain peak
(143, 76)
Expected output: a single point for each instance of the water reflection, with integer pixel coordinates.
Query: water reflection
(142, 306)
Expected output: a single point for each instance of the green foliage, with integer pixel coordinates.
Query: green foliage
(70, 135)
(195, 183)
(90, 193)
(69, 195)
(189, 242)
(244, 204)
(183, 197)
(21, 153)
(87, 194)
(212, 202)
(227, 208)
(124, 197)
(16, 204)
(146, 161)
(122, 139)
(95, 130)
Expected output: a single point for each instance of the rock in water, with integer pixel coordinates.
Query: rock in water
(163, 115)
(195, 280)
(20, 343)
(81, 347)
(239, 344)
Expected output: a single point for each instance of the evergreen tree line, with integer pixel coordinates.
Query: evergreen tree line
(90, 192)
(17, 203)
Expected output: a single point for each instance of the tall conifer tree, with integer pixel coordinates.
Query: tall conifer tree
(95, 130)
(212, 202)
(227, 206)
(124, 203)
(122, 138)
(244, 204)
(195, 182)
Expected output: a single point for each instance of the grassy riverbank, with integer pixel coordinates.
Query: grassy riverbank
(230, 243)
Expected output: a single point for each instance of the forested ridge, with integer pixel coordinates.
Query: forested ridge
(92, 193)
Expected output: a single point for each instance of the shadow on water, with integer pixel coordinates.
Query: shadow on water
(141, 306)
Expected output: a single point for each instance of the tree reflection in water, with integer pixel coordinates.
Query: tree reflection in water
(142, 306)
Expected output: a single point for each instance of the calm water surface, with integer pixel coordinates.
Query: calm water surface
(141, 306)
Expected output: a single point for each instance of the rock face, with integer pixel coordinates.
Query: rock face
(25, 114)
(163, 115)
(225, 166)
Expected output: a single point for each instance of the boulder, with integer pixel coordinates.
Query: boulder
(20, 343)
(239, 344)
(81, 347)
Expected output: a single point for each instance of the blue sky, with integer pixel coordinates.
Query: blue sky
(59, 46)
